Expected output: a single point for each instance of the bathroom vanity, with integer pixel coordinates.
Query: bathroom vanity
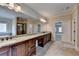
(24, 45)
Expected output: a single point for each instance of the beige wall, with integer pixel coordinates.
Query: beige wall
(66, 37)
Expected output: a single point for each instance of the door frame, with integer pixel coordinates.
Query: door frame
(55, 27)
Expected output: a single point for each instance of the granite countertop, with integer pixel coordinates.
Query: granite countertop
(20, 39)
(4, 36)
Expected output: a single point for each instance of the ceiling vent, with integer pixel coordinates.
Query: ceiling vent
(67, 8)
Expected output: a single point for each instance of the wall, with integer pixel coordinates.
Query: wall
(14, 26)
(66, 37)
(49, 26)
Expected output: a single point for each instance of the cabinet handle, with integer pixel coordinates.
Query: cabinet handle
(74, 30)
(74, 22)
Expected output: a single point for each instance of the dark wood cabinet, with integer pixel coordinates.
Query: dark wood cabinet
(25, 48)
(32, 47)
(42, 40)
(18, 50)
(5, 51)
(48, 37)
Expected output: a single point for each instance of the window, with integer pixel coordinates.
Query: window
(3, 27)
(60, 29)
(39, 28)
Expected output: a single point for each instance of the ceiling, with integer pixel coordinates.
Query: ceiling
(51, 9)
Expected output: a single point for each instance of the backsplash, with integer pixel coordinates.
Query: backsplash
(3, 34)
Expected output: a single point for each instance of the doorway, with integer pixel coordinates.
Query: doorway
(58, 32)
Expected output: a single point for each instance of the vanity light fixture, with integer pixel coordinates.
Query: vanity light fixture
(17, 8)
(43, 20)
(12, 6)
(3, 4)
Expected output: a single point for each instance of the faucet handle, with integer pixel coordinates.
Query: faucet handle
(2, 39)
(7, 38)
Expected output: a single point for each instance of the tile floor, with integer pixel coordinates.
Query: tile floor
(57, 49)
(41, 51)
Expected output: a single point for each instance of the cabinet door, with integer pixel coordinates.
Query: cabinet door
(5, 51)
(32, 42)
(49, 37)
(18, 50)
(27, 48)
(32, 47)
(40, 41)
(45, 40)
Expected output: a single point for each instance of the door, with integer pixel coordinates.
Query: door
(74, 31)
(39, 28)
(58, 33)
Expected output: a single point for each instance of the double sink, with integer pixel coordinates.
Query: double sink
(10, 37)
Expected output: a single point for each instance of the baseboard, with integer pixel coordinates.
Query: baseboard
(76, 48)
(68, 44)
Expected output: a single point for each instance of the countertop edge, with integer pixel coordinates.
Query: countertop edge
(14, 41)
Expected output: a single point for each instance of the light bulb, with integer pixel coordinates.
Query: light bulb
(43, 20)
